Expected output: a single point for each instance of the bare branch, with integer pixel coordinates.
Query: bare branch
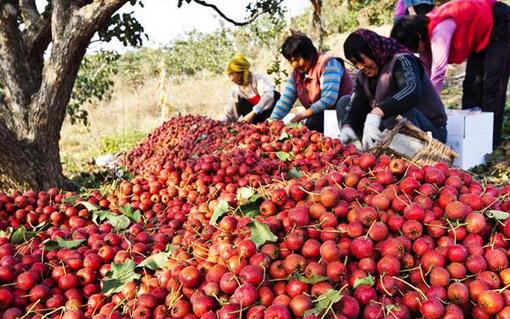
(9, 12)
(317, 11)
(226, 18)
(29, 12)
(37, 37)
(97, 12)
(60, 69)
(60, 16)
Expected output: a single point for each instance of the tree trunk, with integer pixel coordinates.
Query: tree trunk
(29, 166)
(37, 90)
(317, 25)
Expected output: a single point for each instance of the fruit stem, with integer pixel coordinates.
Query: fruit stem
(370, 228)
(30, 310)
(62, 308)
(453, 229)
(384, 287)
(418, 290)
(503, 289)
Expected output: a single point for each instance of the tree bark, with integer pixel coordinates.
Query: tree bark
(28, 165)
(317, 25)
(37, 91)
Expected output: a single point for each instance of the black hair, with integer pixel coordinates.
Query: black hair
(409, 30)
(355, 46)
(298, 45)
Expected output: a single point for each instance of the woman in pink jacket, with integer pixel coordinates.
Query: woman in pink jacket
(474, 30)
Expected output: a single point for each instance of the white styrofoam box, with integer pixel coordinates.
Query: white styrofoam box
(331, 128)
(470, 136)
(471, 151)
(468, 124)
(288, 118)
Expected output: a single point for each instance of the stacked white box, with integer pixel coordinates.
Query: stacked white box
(470, 136)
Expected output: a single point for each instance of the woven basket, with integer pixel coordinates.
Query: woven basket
(408, 141)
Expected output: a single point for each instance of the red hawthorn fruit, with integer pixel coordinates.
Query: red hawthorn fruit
(491, 301)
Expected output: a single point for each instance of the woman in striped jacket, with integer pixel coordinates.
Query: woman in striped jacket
(318, 80)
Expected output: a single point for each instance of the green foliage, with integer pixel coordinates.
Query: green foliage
(324, 303)
(220, 210)
(132, 69)
(260, 233)
(120, 143)
(59, 243)
(347, 15)
(94, 82)
(21, 235)
(124, 27)
(155, 262)
(119, 275)
(198, 52)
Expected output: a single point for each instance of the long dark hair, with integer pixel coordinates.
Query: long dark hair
(409, 30)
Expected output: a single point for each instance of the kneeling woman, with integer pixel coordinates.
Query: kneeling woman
(253, 98)
(390, 82)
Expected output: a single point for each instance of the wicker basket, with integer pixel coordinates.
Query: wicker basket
(408, 141)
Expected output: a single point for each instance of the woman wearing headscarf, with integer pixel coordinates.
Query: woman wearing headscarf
(390, 82)
(253, 98)
(476, 31)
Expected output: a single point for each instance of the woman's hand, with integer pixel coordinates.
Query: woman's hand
(347, 135)
(371, 132)
(250, 117)
(377, 111)
(302, 115)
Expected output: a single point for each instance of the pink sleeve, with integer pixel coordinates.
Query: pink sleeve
(400, 9)
(440, 48)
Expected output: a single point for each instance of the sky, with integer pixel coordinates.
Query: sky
(163, 21)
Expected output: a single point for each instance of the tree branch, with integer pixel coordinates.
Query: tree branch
(29, 12)
(15, 71)
(68, 48)
(226, 18)
(97, 12)
(60, 16)
(37, 37)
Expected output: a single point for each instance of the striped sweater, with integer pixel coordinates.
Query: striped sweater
(329, 84)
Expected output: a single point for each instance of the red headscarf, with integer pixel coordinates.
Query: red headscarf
(383, 48)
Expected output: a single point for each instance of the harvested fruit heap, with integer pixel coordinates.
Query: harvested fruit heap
(262, 221)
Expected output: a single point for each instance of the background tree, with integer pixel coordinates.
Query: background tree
(317, 25)
(40, 54)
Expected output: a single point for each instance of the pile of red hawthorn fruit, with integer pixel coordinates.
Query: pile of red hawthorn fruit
(259, 221)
